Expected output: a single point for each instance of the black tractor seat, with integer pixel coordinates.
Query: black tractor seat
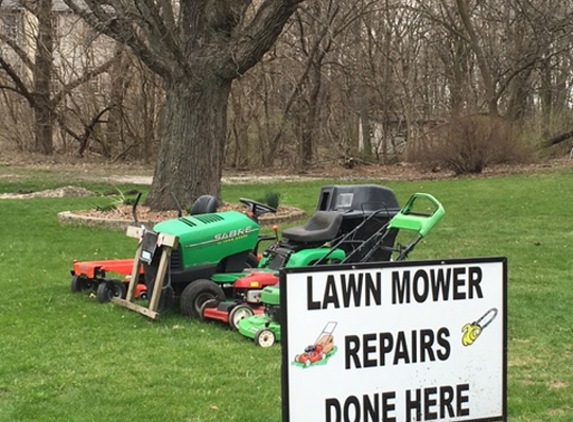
(205, 204)
(321, 227)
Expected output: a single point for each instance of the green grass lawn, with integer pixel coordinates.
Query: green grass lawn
(65, 357)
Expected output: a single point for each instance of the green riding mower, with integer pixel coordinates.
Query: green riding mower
(420, 214)
(208, 243)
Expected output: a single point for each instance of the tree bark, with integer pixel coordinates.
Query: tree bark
(43, 70)
(194, 126)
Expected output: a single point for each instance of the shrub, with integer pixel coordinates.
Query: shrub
(470, 144)
(272, 199)
(106, 207)
(123, 199)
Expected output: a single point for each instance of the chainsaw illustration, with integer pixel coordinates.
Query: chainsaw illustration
(472, 331)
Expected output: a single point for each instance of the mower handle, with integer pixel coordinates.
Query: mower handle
(408, 219)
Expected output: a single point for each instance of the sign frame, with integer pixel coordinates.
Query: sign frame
(289, 275)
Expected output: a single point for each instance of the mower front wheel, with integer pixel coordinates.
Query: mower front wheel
(196, 294)
(238, 313)
(265, 338)
(78, 284)
(109, 289)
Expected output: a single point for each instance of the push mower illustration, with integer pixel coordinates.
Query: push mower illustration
(361, 244)
(321, 350)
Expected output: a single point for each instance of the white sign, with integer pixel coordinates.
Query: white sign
(395, 342)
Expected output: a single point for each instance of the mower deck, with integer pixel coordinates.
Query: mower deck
(224, 309)
(94, 269)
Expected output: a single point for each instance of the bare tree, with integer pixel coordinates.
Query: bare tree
(388, 69)
(29, 66)
(316, 27)
(197, 48)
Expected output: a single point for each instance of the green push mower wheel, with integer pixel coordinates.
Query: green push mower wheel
(265, 338)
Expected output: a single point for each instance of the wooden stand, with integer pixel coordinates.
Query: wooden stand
(166, 243)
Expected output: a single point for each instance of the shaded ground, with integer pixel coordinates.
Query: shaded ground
(68, 168)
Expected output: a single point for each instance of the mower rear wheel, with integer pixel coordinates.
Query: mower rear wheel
(265, 338)
(238, 313)
(109, 289)
(78, 284)
(196, 294)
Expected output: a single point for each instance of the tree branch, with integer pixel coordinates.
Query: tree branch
(18, 50)
(258, 36)
(87, 76)
(20, 86)
(558, 139)
(89, 128)
(121, 29)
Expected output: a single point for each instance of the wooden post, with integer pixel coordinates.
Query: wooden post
(158, 285)
(166, 243)
(136, 263)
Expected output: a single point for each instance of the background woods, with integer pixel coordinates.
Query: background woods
(439, 82)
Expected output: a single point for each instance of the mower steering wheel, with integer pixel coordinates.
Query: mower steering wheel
(257, 208)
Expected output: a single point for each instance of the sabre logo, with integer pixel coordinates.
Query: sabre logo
(234, 233)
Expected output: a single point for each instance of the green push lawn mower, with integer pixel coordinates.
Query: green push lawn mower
(264, 328)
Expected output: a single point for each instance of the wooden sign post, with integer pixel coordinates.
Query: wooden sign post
(144, 253)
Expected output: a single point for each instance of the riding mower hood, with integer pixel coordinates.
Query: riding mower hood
(264, 328)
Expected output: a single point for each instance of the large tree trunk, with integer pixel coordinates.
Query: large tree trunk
(193, 125)
(43, 70)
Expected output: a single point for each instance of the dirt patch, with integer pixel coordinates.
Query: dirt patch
(141, 174)
(144, 213)
(65, 192)
(121, 217)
